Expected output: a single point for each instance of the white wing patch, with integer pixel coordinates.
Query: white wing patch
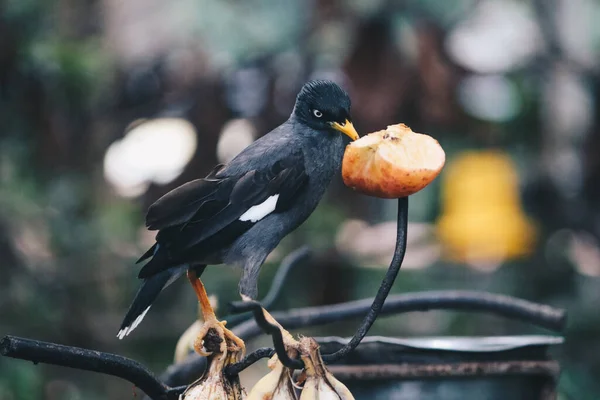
(259, 211)
(128, 329)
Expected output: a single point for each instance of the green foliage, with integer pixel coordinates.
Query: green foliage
(20, 380)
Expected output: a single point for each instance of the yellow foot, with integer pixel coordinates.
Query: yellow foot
(229, 341)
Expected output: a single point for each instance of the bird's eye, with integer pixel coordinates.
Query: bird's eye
(317, 113)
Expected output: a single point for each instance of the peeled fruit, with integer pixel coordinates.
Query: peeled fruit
(320, 384)
(392, 163)
(276, 385)
(214, 384)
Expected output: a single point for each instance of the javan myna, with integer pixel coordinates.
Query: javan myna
(240, 212)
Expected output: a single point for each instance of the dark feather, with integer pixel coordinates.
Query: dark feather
(180, 204)
(149, 253)
(215, 171)
(294, 180)
(147, 293)
(203, 216)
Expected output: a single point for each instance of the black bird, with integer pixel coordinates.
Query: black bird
(240, 212)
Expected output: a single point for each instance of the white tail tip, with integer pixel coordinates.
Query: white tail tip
(128, 329)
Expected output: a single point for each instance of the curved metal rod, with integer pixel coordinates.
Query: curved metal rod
(461, 300)
(89, 360)
(271, 329)
(174, 393)
(384, 289)
(288, 263)
(256, 355)
(36, 351)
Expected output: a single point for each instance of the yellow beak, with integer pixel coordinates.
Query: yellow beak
(346, 128)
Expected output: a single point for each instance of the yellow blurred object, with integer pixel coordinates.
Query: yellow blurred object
(482, 219)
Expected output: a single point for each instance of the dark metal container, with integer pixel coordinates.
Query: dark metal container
(448, 368)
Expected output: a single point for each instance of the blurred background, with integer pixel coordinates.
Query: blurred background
(106, 105)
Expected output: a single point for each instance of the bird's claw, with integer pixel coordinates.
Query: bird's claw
(229, 341)
(200, 350)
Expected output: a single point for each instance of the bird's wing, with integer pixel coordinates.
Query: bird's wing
(180, 204)
(212, 212)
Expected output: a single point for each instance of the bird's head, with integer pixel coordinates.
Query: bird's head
(324, 106)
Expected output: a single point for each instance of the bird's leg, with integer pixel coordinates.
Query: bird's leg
(211, 322)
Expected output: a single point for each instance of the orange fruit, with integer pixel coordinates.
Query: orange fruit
(392, 163)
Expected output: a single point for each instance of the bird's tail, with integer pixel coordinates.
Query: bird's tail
(147, 293)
